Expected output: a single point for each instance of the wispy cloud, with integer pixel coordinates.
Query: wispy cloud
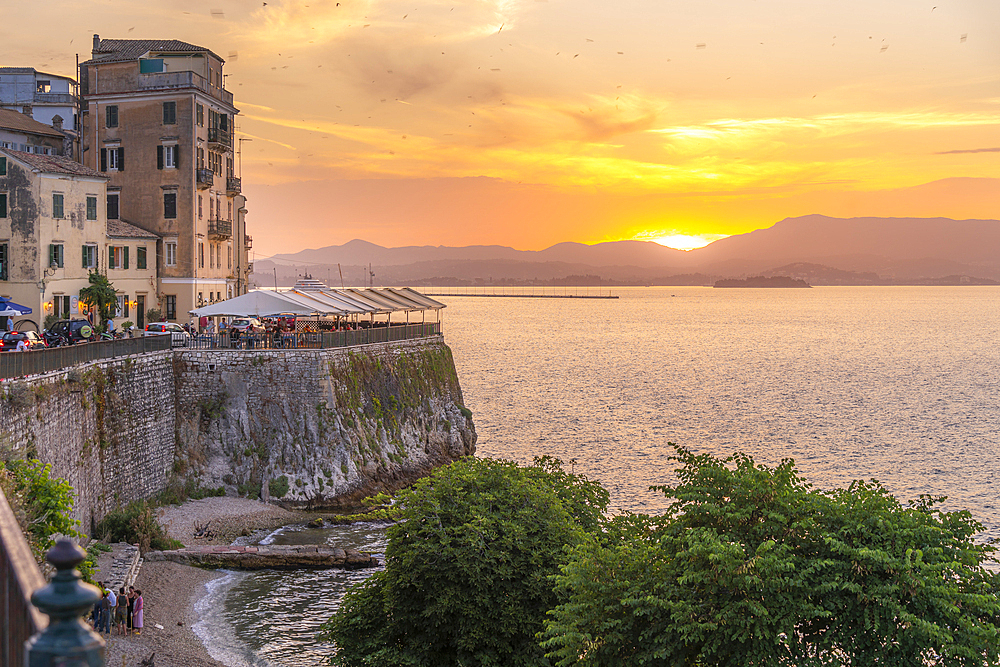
(970, 150)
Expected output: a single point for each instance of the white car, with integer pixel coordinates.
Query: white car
(178, 337)
(247, 325)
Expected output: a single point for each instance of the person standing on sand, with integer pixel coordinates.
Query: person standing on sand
(137, 613)
(120, 611)
(130, 608)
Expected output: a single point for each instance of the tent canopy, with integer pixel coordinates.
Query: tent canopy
(342, 302)
(258, 303)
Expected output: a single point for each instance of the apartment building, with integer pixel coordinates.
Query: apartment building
(50, 99)
(20, 132)
(158, 121)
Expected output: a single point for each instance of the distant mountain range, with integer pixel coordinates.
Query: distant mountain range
(815, 248)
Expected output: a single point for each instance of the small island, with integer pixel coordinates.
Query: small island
(762, 281)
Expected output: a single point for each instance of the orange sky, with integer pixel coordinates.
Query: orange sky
(530, 122)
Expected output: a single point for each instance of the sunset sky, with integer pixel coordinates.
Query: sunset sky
(530, 122)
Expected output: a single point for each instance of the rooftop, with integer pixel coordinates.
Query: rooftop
(52, 164)
(126, 230)
(32, 70)
(124, 50)
(18, 122)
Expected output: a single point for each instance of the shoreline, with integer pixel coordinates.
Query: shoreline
(171, 592)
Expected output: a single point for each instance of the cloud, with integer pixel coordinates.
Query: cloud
(970, 150)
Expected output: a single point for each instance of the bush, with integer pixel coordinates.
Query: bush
(43, 504)
(468, 566)
(154, 315)
(136, 524)
(278, 487)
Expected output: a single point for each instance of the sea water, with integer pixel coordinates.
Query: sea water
(894, 383)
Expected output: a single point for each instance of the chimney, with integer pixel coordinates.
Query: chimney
(57, 122)
(26, 110)
(97, 45)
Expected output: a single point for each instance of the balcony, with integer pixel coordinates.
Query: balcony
(220, 137)
(55, 99)
(249, 267)
(220, 229)
(248, 242)
(206, 178)
(233, 186)
(172, 80)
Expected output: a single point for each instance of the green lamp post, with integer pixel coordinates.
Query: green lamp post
(68, 641)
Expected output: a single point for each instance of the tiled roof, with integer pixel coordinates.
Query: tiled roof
(126, 230)
(18, 122)
(53, 164)
(124, 50)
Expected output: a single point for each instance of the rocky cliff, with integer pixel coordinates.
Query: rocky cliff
(319, 428)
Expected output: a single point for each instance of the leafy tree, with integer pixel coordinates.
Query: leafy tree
(100, 294)
(468, 567)
(751, 566)
(43, 503)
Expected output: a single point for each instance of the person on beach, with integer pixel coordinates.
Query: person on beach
(120, 610)
(130, 608)
(104, 622)
(112, 605)
(137, 613)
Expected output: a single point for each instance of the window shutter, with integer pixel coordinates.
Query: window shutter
(125, 257)
(52, 254)
(159, 157)
(177, 156)
(121, 159)
(84, 256)
(104, 159)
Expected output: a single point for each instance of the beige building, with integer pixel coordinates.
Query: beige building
(52, 228)
(129, 262)
(158, 121)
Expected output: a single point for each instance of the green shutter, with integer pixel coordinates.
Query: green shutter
(121, 159)
(84, 257)
(125, 257)
(159, 157)
(3, 204)
(3, 166)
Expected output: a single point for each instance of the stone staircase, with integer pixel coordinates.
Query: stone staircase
(124, 567)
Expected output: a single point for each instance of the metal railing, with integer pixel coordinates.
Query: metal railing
(216, 135)
(233, 185)
(159, 80)
(19, 578)
(314, 340)
(33, 362)
(222, 229)
(205, 178)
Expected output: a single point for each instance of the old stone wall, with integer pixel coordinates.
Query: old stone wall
(307, 428)
(106, 427)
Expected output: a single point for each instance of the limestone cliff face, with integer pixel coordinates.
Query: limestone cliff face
(319, 428)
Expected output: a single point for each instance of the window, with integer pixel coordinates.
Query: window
(211, 255)
(166, 156)
(90, 256)
(111, 115)
(3, 261)
(113, 207)
(61, 305)
(170, 253)
(199, 204)
(118, 257)
(229, 256)
(229, 167)
(3, 204)
(200, 115)
(201, 158)
(211, 208)
(140, 257)
(201, 255)
(121, 308)
(113, 159)
(3, 165)
(140, 310)
(169, 205)
(57, 205)
(169, 113)
(171, 304)
(91, 208)
(56, 255)
(43, 86)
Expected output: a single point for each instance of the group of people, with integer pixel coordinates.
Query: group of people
(120, 613)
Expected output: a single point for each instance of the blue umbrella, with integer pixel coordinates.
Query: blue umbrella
(11, 309)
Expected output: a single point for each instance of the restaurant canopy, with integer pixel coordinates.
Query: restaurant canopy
(320, 301)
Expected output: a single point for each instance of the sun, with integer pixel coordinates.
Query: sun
(683, 241)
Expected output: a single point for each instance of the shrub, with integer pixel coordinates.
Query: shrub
(278, 487)
(43, 503)
(136, 524)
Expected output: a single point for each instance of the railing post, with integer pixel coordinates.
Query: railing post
(67, 642)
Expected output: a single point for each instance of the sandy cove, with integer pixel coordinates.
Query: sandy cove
(170, 591)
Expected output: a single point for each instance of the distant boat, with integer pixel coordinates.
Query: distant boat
(762, 281)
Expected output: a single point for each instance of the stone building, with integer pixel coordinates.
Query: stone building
(50, 99)
(20, 132)
(157, 119)
(50, 209)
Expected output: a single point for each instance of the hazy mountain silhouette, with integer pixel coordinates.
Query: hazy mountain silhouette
(846, 251)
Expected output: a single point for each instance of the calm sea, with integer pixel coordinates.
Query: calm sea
(900, 384)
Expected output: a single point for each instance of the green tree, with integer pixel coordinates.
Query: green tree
(468, 567)
(43, 503)
(100, 294)
(752, 566)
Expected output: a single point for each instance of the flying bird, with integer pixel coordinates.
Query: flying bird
(501, 27)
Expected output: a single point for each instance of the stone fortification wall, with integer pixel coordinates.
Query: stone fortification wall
(319, 428)
(307, 428)
(106, 427)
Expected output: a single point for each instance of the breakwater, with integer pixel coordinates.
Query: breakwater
(306, 428)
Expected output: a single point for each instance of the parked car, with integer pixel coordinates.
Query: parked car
(75, 331)
(10, 339)
(247, 325)
(178, 337)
